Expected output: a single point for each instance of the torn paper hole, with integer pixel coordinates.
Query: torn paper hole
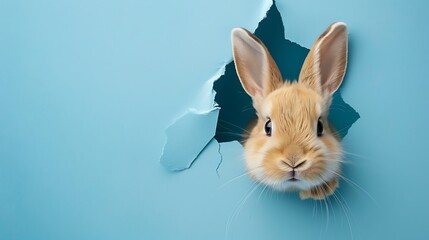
(223, 109)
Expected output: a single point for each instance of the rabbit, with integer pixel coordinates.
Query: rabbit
(292, 146)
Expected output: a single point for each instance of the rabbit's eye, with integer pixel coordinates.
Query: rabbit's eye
(268, 127)
(319, 128)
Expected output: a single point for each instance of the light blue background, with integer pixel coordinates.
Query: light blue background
(88, 88)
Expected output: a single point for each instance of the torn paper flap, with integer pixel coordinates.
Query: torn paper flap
(187, 138)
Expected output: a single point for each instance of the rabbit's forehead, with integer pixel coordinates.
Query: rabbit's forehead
(293, 102)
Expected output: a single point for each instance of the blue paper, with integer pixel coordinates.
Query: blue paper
(88, 89)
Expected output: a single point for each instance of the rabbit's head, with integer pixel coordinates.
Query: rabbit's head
(292, 146)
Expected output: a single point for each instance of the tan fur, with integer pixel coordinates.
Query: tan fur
(321, 191)
(294, 110)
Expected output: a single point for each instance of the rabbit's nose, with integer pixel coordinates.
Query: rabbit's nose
(299, 164)
(293, 164)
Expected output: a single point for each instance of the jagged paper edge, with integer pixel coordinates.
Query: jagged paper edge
(205, 107)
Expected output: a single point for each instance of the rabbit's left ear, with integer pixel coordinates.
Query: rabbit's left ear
(325, 65)
(255, 67)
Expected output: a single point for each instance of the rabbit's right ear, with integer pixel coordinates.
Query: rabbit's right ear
(325, 64)
(255, 67)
